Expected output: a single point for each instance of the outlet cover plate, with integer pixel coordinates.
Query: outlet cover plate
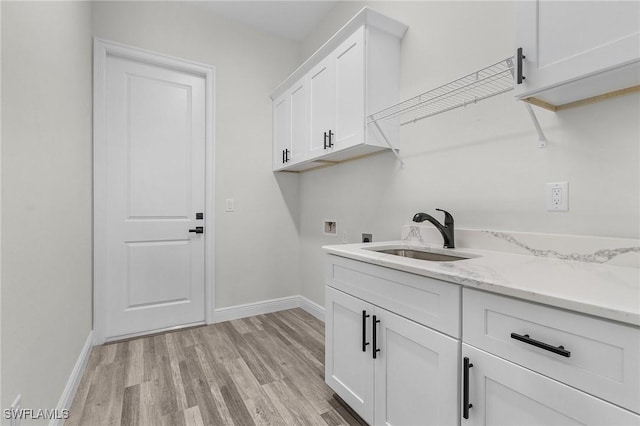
(558, 196)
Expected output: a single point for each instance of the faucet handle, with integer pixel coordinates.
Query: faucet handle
(448, 219)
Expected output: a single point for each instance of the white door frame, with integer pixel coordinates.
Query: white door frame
(102, 49)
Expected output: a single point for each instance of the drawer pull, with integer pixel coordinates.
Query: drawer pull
(364, 331)
(465, 388)
(375, 337)
(560, 350)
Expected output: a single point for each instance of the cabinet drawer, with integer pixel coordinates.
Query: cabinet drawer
(503, 393)
(428, 301)
(600, 357)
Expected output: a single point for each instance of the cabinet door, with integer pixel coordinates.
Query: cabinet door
(350, 92)
(566, 40)
(299, 119)
(416, 374)
(502, 393)
(349, 368)
(281, 131)
(321, 105)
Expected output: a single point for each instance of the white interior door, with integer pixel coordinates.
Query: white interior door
(155, 133)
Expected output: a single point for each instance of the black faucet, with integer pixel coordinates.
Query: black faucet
(446, 230)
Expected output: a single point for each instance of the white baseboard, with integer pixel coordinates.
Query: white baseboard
(256, 308)
(312, 307)
(70, 389)
(268, 306)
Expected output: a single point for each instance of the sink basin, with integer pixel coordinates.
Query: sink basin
(422, 255)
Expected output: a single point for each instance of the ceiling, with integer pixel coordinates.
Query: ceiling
(293, 20)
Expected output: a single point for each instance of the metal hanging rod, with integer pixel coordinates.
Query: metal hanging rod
(470, 89)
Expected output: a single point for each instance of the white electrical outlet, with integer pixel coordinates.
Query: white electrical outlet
(558, 197)
(15, 411)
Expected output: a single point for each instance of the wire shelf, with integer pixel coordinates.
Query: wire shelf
(482, 84)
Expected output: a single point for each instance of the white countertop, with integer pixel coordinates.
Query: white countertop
(606, 291)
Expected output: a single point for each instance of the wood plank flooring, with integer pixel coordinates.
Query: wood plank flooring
(267, 369)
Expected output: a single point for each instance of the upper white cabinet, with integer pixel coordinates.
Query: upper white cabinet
(281, 130)
(321, 107)
(353, 74)
(574, 50)
(349, 81)
(290, 125)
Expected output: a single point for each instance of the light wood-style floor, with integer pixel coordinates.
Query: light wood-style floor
(267, 369)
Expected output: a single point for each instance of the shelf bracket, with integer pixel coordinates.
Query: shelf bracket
(395, 151)
(542, 140)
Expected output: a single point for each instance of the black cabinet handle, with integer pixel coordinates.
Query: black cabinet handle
(364, 331)
(560, 350)
(465, 388)
(519, 59)
(285, 155)
(197, 230)
(325, 140)
(375, 337)
(330, 134)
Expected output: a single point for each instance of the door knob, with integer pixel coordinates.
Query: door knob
(198, 230)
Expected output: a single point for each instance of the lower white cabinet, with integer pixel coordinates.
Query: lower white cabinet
(502, 361)
(389, 369)
(415, 374)
(348, 361)
(599, 357)
(500, 392)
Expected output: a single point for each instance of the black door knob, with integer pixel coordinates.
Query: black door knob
(198, 230)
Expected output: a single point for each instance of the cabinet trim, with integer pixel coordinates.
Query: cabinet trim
(592, 100)
(367, 17)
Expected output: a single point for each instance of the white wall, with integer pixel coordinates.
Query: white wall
(257, 246)
(481, 163)
(47, 171)
(46, 197)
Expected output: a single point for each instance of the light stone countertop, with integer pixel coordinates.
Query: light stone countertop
(605, 291)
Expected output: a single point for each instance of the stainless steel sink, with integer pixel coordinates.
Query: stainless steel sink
(422, 255)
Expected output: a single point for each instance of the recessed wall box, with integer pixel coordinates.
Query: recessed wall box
(330, 227)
